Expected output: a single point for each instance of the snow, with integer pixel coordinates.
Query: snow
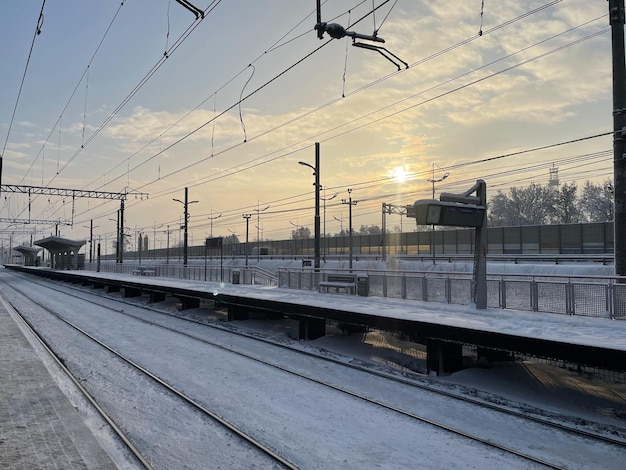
(370, 439)
(554, 327)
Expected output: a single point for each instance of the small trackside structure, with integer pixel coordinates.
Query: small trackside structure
(461, 210)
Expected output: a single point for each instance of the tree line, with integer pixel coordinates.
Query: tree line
(568, 204)
(535, 204)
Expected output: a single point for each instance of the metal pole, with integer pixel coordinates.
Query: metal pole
(185, 243)
(432, 235)
(351, 203)
(91, 242)
(383, 241)
(140, 239)
(350, 232)
(479, 294)
(616, 15)
(317, 207)
(167, 250)
(247, 217)
(117, 239)
(122, 231)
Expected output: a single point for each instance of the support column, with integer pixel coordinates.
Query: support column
(443, 358)
(311, 328)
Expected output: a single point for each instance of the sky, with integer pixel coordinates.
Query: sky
(141, 98)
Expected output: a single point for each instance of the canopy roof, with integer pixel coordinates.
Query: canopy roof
(27, 250)
(59, 244)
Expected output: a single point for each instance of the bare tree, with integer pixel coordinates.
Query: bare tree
(566, 209)
(301, 233)
(597, 201)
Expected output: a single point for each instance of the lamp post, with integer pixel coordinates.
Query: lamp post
(433, 181)
(247, 217)
(212, 219)
(294, 235)
(167, 249)
(91, 227)
(258, 211)
(351, 203)
(117, 237)
(326, 199)
(154, 227)
(316, 173)
(186, 223)
(140, 247)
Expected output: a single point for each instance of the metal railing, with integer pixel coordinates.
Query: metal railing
(243, 275)
(591, 296)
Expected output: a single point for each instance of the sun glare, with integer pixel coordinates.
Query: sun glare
(398, 174)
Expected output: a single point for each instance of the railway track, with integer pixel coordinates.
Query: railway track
(141, 455)
(592, 439)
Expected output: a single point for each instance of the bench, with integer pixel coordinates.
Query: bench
(144, 271)
(346, 282)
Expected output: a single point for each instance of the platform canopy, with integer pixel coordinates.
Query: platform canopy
(29, 253)
(63, 252)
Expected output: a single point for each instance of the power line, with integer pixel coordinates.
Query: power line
(317, 136)
(19, 93)
(69, 100)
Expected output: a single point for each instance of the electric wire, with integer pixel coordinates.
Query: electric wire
(554, 2)
(317, 136)
(69, 100)
(19, 93)
(508, 22)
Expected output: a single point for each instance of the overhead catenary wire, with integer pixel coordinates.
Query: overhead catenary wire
(508, 22)
(69, 100)
(19, 93)
(318, 136)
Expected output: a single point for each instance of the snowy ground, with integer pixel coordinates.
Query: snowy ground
(528, 384)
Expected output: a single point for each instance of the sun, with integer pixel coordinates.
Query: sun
(399, 174)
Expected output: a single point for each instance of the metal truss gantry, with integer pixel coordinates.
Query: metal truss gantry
(78, 193)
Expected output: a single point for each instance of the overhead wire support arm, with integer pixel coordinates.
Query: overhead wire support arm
(15, 188)
(193, 9)
(385, 54)
(8, 220)
(336, 31)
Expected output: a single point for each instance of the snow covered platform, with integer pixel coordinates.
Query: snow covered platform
(39, 428)
(444, 328)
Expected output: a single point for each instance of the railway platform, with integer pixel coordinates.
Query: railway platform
(443, 328)
(39, 427)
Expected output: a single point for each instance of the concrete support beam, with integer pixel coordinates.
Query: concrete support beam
(189, 302)
(311, 328)
(237, 313)
(157, 297)
(443, 358)
(493, 355)
(113, 288)
(131, 292)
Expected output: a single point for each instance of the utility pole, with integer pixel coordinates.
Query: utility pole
(316, 173)
(121, 244)
(186, 223)
(616, 15)
(247, 217)
(351, 203)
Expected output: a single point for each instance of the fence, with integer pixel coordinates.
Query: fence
(565, 239)
(242, 275)
(573, 295)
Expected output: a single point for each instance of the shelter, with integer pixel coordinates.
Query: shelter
(30, 254)
(63, 252)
